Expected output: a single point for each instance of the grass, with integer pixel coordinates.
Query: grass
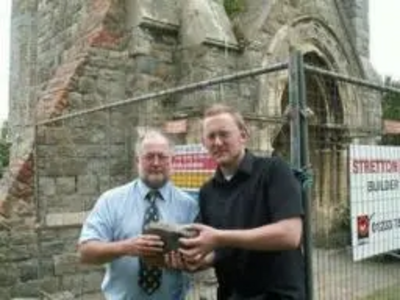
(389, 293)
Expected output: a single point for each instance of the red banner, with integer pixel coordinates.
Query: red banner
(193, 162)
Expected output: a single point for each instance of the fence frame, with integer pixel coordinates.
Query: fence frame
(299, 151)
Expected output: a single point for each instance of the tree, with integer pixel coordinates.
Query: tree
(391, 110)
(4, 148)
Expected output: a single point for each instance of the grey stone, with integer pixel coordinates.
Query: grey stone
(47, 186)
(170, 43)
(206, 22)
(88, 184)
(5, 293)
(169, 233)
(62, 296)
(83, 283)
(32, 288)
(65, 185)
(68, 263)
(8, 275)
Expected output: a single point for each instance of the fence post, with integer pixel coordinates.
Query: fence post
(299, 153)
(294, 111)
(305, 162)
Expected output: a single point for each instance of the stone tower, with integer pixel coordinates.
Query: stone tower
(73, 55)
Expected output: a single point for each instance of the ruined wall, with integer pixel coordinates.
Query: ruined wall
(85, 54)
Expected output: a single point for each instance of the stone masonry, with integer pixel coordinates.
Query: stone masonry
(68, 56)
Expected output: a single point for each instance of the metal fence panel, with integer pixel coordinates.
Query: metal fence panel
(344, 112)
(86, 152)
(299, 110)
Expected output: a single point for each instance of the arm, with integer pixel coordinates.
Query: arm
(283, 235)
(284, 203)
(96, 244)
(148, 247)
(97, 252)
(285, 215)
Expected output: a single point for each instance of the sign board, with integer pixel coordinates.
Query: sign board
(192, 166)
(374, 200)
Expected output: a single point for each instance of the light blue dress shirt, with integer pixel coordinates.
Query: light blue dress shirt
(118, 215)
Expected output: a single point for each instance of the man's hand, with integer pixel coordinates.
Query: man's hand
(156, 260)
(143, 246)
(195, 249)
(176, 260)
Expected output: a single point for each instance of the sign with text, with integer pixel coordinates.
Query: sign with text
(192, 166)
(374, 200)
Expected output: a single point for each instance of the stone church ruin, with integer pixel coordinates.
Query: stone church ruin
(71, 56)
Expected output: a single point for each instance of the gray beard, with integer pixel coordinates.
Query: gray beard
(154, 185)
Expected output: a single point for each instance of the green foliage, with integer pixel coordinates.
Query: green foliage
(339, 233)
(391, 111)
(233, 7)
(391, 101)
(4, 148)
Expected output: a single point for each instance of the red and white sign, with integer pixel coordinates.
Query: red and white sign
(177, 126)
(192, 166)
(193, 162)
(374, 200)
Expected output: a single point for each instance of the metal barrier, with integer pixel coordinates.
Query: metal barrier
(299, 110)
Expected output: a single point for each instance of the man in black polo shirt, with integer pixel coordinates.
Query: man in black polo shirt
(251, 217)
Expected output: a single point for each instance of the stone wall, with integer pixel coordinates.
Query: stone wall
(70, 56)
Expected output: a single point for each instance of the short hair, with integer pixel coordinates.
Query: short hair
(218, 109)
(151, 134)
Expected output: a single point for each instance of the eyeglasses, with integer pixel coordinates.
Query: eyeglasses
(153, 156)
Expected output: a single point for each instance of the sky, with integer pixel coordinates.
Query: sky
(384, 43)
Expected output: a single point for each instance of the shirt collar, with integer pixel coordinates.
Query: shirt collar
(245, 167)
(144, 190)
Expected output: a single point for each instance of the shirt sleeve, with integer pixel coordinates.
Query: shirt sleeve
(99, 223)
(284, 192)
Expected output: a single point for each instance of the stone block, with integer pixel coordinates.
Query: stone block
(205, 21)
(169, 233)
(47, 186)
(86, 85)
(62, 296)
(87, 184)
(22, 252)
(153, 13)
(5, 293)
(66, 219)
(83, 282)
(65, 185)
(32, 288)
(68, 263)
(4, 237)
(29, 270)
(66, 167)
(8, 275)
(52, 247)
(66, 203)
(152, 65)
(23, 237)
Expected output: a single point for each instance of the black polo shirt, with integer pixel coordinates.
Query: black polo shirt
(263, 191)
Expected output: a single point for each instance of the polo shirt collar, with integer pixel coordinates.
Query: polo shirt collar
(144, 190)
(245, 167)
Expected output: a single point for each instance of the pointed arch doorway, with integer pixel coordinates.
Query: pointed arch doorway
(326, 145)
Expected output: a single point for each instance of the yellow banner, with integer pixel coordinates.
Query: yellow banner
(190, 179)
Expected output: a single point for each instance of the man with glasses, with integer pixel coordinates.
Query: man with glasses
(112, 233)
